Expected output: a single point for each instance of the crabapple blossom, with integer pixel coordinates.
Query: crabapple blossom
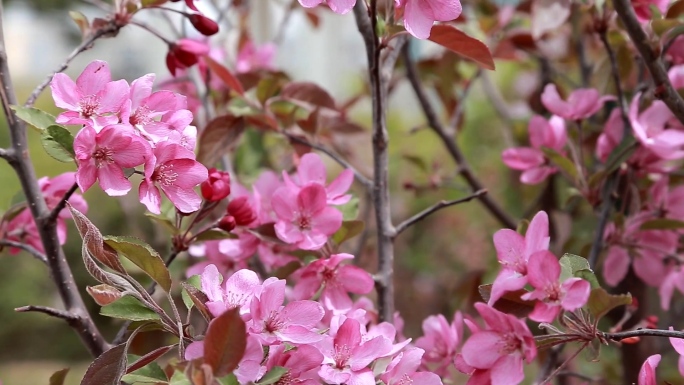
(242, 211)
(514, 251)
(642, 8)
(440, 341)
(174, 169)
(252, 57)
(311, 170)
(274, 323)
(678, 345)
(650, 128)
(497, 352)
(543, 272)
(337, 6)
(237, 291)
(302, 364)
(531, 160)
(647, 374)
(336, 281)
(304, 219)
(145, 106)
(420, 15)
(403, 370)
(102, 156)
(581, 104)
(94, 99)
(217, 186)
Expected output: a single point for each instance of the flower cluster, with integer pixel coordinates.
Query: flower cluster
(126, 126)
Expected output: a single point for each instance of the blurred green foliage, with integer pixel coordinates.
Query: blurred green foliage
(45, 5)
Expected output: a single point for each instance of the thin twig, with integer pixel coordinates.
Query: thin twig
(367, 183)
(451, 146)
(62, 203)
(27, 248)
(47, 230)
(84, 46)
(663, 87)
(65, 315)
(432, 209)
(619, 336)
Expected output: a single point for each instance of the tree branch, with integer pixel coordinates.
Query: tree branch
(663, 87)
(436, 207)
(367, 183)
(619, 336)
(379, 76)
(21, 163)
(71, 319)
(110, 28)
(451, 146)
(27, 248)
(62, 203)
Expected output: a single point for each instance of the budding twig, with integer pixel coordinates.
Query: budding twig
(437, 206)
(619, 336)
(62, 203)
(27, 248)
(71, 318)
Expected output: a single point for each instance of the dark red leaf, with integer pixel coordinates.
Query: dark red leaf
(218, 137)
(225, 75)
(509, 303)
(462, 44)
(108, 368)
(309, 93)
(225, 342)
(148, 358)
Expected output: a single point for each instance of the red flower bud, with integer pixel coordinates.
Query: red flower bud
(203, 24)
(227, 223)
(242, 211)
(184, 53)
(217, 186)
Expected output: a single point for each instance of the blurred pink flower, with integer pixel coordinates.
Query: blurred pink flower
(581, 104)
(252, 57)
(420, 15)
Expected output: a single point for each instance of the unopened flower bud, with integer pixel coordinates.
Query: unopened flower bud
(203, 24)
(242, 211)
(227, 223)
(184, 53)
(217, 186)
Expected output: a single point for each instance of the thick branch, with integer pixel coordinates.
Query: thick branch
(451, 146)
(379, 79)
(27, 248)
(663, 87)
(59, 268)
(434, 208)
(71, 319)
(619, 336)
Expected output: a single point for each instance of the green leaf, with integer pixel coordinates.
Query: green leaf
(144, 256)
(272, 376)
(164, 222)
(35, 117)
(195, 281)
(58, 143)
(108, 368)
(58, 377)
(129, 308)
(350, 210)
(576, 266)
(563, 162)
(601, 302)
(214, 235)
(179, 378)
(228, 380)
(348, 230)
(225, 342)
(662, 224)
(150, 374)
(621, 153)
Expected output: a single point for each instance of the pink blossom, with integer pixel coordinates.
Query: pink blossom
(302, 364)
(403, 370)
(304, 219)
(249, 369)
(145, 108)
(338, 6)
(336, 281)
(543, 272)
(346, 358)
(264, 187)
(497, 352)
(514, 251)
(441, 342)
(420, 15)
(237, 291)
(311, 170)
(647, 373)
(211, 250)
(649, 128)
(642, 8)
(611, 135)
(532, 161)
(678, 345)
(293, 323)
(581, 104)
(174, 169)
(252, 57)
(93, 99)
(103, 156)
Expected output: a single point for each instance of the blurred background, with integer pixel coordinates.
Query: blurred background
(440, 262)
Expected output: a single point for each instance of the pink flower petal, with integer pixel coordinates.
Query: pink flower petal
(94, 77)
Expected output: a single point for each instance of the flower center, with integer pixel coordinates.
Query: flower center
(273, 323)
(141, 116)
(165, 175)
(509, 343)
(89, 105)
(341, 356)
(553, 292)
(305, 222)
(286, 379)
(103, 156)
(404, 380)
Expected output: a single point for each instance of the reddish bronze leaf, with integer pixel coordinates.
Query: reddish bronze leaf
(218, 137)
(148, 358)
(510, 302)
(225, 342)
(462, 44)
(309, 93)
(225, 75)
(108, 368)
